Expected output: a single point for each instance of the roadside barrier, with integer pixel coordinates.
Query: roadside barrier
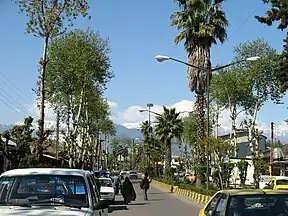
(193, 196)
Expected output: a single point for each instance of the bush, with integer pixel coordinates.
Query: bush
(186, 186)
(195, 189)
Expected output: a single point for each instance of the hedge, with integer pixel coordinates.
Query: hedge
(186, 186)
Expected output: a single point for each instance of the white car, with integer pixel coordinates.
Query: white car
(49, 191)
(107, 190)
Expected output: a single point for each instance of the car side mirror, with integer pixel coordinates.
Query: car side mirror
(102, 204)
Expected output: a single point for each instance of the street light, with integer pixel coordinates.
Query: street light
(161, 58)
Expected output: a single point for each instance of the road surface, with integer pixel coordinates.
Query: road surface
(159, 204)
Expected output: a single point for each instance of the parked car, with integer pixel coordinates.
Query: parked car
(107, 190)
(33, 191)
(249, 202)
(133, 175)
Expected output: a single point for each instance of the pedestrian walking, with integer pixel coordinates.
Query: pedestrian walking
(145, 185)
(127, 191)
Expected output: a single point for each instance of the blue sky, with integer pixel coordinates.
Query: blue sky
(138, 31)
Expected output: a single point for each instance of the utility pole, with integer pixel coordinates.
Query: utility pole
(57, 133)
(208, 125)
(272, 142)
(149, 105)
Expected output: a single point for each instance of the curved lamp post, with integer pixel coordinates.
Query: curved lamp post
(161, 58)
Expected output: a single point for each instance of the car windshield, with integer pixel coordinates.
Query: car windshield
(133, 172)
(282, 182)
(105, 182)
(43, 190)
(254, 205)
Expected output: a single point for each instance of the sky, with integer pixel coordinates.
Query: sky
(137, 31)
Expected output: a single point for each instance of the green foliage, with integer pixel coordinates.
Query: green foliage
(46, 17)
(278, 12)
(263, 82)
(169, 125)
(190, 129)
(282, 73)
(201, 171)
(231, 88)
(185, 186)
(76, 78)
(26, 154)
(200, 22)
(242, 167)
(260, 165)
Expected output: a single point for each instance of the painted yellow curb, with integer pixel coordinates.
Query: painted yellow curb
(195, 197)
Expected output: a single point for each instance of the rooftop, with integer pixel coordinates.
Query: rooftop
(45, 171)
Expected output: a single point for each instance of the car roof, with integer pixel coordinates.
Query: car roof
(105, 178)
(45, 171)
(235, 192)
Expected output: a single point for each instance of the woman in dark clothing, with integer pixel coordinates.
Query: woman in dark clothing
(127, 191)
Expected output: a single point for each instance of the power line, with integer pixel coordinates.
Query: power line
(4, 102)
(244, 22)
(10, 99)
(21, 92)
(19, 96)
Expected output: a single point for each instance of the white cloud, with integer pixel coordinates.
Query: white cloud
(132, 118)
(112, 104)
(50, 115)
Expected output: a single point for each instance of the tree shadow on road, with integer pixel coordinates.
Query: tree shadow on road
(117, 208)
(157, 193)
(155, 199)
(135, 204)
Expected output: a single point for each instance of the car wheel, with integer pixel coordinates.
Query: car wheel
(113, 201)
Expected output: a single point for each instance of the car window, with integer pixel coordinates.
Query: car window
(282, 182)
(212, 204)
(271, 204)
(44, 189)
(5, 187)
(93, 189)
(105, 182)
(97, 188)
(220, 208)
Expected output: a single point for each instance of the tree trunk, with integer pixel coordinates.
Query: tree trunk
(168, 156)
(233, 133)
(200, 105)
(43, 64)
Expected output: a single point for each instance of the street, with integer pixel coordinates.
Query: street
(159, 204)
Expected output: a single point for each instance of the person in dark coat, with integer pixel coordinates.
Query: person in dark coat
(127, 191)
(145, 185)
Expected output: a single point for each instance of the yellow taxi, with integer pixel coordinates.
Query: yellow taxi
(277, 184)
(247, 202)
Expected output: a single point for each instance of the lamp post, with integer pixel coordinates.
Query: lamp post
(161, 58)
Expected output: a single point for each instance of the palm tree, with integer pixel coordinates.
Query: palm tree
(202, 23)
(168, 126)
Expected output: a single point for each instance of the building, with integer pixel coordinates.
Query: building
(243, 143)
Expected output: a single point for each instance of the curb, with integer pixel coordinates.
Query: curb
(193, 196)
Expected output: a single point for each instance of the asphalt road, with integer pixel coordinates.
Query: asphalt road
(159, 204)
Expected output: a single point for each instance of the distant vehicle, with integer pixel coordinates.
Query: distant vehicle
(50, 191)
(106, 189)
(133, 175)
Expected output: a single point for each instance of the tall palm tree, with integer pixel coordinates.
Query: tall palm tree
(169, 125)
(202, 23)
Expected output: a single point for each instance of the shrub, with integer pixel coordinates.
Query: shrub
(186, 186)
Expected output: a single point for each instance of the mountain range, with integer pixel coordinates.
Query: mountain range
(122, 132)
